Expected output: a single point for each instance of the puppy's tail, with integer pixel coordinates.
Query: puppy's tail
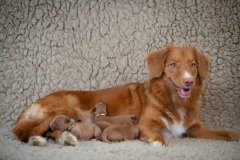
(23, 128)
(105, 137)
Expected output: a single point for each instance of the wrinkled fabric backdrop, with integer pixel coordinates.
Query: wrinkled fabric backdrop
(52, 45)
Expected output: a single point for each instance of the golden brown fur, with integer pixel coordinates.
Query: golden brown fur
(160, 104)
(35, 119)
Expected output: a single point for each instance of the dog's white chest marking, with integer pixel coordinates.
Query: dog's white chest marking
(176, 129)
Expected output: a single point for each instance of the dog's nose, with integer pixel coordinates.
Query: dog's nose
(52, 126)
(188, 81)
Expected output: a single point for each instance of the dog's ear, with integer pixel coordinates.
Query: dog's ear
(202, 65)
(85, 118)
(156, 62)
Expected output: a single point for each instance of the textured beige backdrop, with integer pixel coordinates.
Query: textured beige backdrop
(51, 45)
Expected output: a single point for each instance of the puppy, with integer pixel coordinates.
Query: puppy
(117, 133)
(103, 125)
(82, 131)
(99, 111)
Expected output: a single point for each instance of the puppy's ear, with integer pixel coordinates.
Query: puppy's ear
(85, 118)
(93, 110)
(156, 61)
(67, 120)
(202, 65)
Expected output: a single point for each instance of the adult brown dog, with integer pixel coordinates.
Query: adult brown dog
(166, 104)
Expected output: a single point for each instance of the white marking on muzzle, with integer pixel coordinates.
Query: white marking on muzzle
(187, 75)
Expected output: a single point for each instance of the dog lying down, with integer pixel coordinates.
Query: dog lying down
(166, 105)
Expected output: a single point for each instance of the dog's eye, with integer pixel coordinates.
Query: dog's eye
(193, 65)
(67, 119)
(173, 65)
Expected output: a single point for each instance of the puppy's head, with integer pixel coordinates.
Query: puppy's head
(61, 122)
(85, 118)
(99, 109)
(180, 68)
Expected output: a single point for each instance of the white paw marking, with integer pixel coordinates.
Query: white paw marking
(68, 139)
(157, 144)
(37, 141)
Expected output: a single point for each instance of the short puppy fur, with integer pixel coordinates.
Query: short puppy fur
(99, 111)
(83, 131)
(118, 133)
(103, 125)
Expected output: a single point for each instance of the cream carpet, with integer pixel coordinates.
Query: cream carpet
(51, 45)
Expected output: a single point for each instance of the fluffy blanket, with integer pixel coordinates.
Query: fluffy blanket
(51, 45)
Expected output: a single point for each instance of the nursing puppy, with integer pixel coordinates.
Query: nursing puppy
(103, 125)
(118, 133)
(99, 111)
(82, 131)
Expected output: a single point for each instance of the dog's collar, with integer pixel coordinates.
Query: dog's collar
(72, 125)
(102, 114)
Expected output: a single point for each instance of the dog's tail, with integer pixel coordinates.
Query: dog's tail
(105, 136)
(23, 128)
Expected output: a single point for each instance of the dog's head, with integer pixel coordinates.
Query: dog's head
(61, 122)
(99, 109)
(180, 67)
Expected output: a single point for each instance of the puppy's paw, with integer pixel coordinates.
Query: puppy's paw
(37, 141)
(68, 139)
(157, 144)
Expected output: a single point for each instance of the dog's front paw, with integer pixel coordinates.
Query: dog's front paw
(37, 141)
(157, 144)
(68, 139)
(157, 141)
